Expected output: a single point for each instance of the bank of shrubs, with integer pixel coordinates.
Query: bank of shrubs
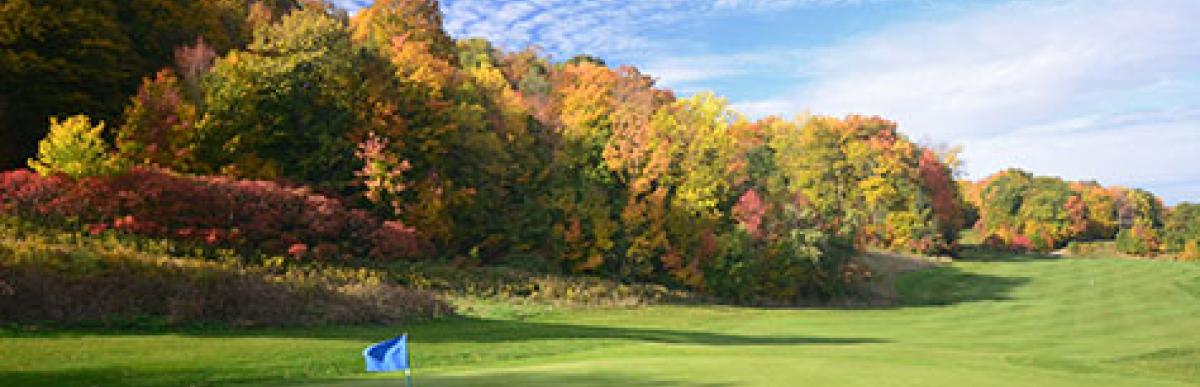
(219, 211)
(48, 276)
(65, 280)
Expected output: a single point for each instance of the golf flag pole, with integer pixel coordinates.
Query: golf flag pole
(390, 356)
(407, 363)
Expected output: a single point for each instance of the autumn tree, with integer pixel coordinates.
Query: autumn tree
(1182, 227)
(159, 124)
(946, 201)
(583, 189)
(295, 87)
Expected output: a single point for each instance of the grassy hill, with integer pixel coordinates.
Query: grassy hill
(1000, 322)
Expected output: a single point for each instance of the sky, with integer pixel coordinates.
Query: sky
(1105, 90)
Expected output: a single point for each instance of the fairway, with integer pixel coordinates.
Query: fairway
(1012, 323)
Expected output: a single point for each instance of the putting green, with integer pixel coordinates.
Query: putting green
(1011, 323)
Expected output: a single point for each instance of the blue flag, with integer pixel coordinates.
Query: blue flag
(388, 356)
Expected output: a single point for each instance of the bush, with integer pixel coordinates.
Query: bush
(1191, 251)
(801, 266)
(1139, 240)
(514, 283)
(1016, 243)
(84, 284)
(74, 148)
(1091, 249)
(216, 211)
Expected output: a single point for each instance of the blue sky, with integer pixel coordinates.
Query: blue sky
(1084, 89)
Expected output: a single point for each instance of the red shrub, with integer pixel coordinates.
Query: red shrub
(1021, 243)
(214, 210)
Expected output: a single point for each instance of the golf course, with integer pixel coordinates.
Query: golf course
(687, 193)
(1009, 321)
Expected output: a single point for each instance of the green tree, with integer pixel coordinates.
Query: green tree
(74, 148)
(285, 107)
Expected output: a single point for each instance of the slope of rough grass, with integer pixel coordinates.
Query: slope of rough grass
(1001, 322)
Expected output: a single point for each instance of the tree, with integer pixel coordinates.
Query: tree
(582, 187)
(1182, 227)
(417, 21)
(937, 178)
(821, 173)
(159, 124)
(637, 157)
(1101, 213)
(1138, 240)
(699, 137)
(74, 148)
(1138, 207)
(295, 87)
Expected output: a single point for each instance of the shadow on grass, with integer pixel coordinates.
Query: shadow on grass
(468, 330)
(597, 379)
(116, 376)
(200, 377)
(977, 253)
(948, 285)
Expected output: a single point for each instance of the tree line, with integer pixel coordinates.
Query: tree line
(488, 155)
(1021, 211)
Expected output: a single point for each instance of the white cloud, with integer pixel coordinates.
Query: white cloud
(1145, 149)
(688, 71)
(1080, 88)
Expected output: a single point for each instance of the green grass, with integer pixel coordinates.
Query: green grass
(991, 321)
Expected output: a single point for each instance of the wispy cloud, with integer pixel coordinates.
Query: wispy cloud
(599, 27)
(694, 71)
(563, 27)
(1012, 65)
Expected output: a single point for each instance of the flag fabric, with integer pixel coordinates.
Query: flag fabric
(388, 356)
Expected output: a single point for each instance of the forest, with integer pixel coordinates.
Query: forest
(291, 130)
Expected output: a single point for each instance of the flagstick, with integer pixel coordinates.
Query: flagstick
(407, 363)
